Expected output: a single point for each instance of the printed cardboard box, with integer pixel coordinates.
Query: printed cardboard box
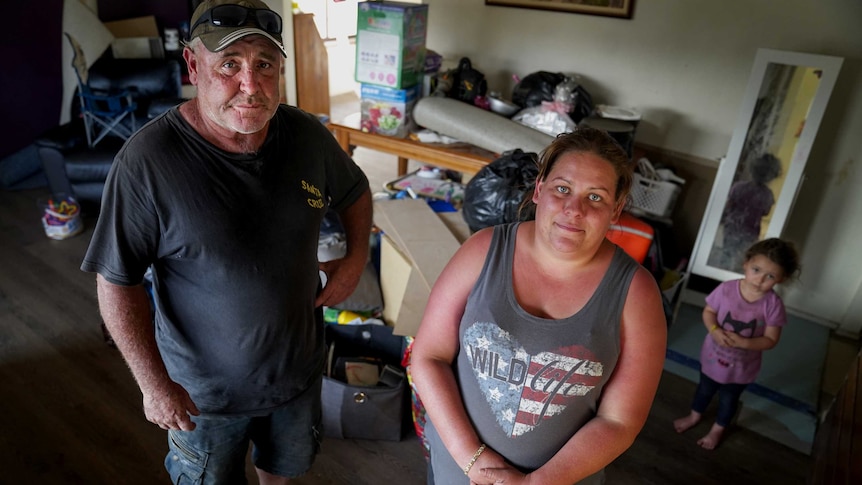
(390, 43)
(387, 111)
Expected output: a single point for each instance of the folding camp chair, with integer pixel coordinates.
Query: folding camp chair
(103, 111)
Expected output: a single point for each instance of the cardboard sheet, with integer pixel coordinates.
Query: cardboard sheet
(415, 248)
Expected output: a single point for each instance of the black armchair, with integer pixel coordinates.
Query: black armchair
(71, 166)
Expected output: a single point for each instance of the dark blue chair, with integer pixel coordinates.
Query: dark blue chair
(105, 112)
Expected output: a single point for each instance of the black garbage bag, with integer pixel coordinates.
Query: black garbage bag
(495, 193)
(535, 88)
(543, 86)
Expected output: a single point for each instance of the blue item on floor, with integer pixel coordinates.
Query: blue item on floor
(441, 206)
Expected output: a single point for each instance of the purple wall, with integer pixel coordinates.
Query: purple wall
(32, 79)
(31, 47)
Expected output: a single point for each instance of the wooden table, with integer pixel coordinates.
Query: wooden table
(461, 157)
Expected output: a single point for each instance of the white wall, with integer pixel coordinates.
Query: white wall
(685, 64)
(285, 9)
(81, 22)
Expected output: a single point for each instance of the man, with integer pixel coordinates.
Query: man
(222, 198)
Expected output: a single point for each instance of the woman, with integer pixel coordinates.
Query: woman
(542, 343)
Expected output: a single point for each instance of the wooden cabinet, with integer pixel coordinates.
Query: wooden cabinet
(838, 442)
(312, 66)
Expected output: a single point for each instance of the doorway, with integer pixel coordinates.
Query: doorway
(336, 23)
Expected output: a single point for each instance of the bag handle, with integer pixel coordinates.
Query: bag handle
(464, 64)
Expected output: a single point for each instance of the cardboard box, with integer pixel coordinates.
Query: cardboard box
(390, 43)
(387, 111)
(138, 48)
(134, 27)
(136, 38)
(415, 247)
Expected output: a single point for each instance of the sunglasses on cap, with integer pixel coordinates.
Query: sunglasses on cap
(237, 16)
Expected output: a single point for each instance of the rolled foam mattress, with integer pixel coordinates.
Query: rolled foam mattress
(477, 126)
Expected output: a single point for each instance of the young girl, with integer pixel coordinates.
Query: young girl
(743, 317)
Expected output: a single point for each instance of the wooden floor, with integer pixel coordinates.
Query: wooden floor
(70, 412)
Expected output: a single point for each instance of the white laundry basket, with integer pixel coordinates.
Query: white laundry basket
(652, 195)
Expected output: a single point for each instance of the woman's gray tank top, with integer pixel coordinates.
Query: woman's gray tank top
(530, 383)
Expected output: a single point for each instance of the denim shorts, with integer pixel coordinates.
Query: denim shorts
(284, 442)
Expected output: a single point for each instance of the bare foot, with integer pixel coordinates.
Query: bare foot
(684, 423)
(710, 441)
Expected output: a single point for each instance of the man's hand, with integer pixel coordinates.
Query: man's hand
(342, 276)
(169, 407)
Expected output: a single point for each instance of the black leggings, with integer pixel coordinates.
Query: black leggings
(728, 398)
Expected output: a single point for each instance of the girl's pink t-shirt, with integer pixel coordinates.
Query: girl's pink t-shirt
(748, 319)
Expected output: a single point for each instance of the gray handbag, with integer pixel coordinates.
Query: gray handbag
(364, 386)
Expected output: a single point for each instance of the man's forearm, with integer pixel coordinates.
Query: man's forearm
(126, 313)
(356, 220)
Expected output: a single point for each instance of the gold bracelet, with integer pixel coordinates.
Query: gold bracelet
(714, 326)
(473, 460)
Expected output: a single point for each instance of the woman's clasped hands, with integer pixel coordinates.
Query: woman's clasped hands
(491, 469)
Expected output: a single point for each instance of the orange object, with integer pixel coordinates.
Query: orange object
(633, 235)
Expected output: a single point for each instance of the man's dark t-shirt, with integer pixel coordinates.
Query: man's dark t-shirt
(232, 242)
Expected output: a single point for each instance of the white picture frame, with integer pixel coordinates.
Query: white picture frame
(780, 92)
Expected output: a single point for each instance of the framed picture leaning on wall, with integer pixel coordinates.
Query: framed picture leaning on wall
(609, 8)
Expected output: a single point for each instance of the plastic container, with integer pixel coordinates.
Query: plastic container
(61, 216)
(633, 235)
